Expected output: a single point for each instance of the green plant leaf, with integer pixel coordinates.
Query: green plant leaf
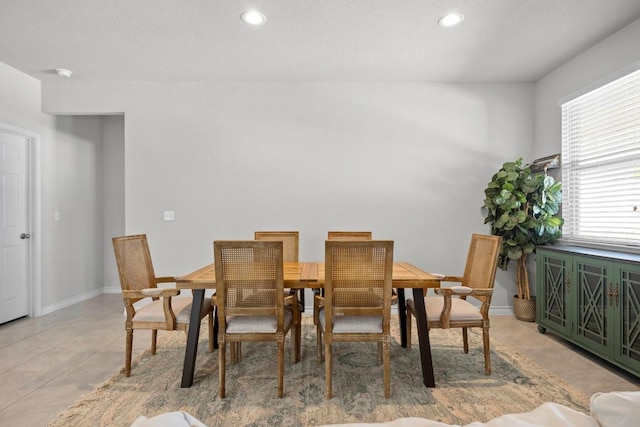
(554, 222)
(512, 176)
(522, 207)
(509, 166)
(514, 253)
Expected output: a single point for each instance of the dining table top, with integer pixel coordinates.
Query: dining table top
(311, 275)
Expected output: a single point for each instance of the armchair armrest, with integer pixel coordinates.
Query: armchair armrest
(464, 291)
(155, 294)
(150, 292)
(455, 290)
(482, 294)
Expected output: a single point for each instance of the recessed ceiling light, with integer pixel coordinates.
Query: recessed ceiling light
(451, 20)
(63, 72)
(253, 17)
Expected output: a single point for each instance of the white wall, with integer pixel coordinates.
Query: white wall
(608, 57)
(113, 194)
(407, 161)
(70, 150)
(72, 185)
(618, 52)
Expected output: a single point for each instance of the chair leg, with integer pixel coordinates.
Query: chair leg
(221, 367)
(233, 350)
(296, 333)
(387, 369)
(380, 356)
(408, 329)
(465, 340)
(315, 311)
(211, 334)
(327, 367)
(319, 343)
(298, 341)
(296, 336)
(487, 351)
(154, 339)
(280, 367)
(127, 353)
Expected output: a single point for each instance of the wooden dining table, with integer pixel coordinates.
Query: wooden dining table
(303, 275)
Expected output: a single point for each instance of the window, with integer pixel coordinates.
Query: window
(601, 164)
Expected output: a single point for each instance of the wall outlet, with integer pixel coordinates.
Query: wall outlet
(168, 216)
(56, 215)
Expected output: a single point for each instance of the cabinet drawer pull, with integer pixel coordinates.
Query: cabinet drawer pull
(610, 293)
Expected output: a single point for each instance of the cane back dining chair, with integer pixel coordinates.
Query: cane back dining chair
(139, 282)
(290, 242)
(338, 236)
(450, 309)
(251, 307)
(349, 235)
(357, 304)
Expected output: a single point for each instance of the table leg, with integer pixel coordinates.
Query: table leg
(192, 339)
(402, 316)
(423, 338)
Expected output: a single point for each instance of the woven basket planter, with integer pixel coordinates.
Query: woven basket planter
(525, 309)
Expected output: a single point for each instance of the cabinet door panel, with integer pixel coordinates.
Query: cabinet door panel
(626, 297)
(554, 272)
(592, 327)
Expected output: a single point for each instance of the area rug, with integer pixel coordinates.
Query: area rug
(463, 393)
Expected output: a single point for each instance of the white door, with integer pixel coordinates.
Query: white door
(14, 295)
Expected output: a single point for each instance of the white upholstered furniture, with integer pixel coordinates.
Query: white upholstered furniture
(614, 409)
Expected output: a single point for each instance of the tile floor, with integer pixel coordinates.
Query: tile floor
(49, 362)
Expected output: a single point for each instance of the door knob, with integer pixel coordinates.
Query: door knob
(25, 236)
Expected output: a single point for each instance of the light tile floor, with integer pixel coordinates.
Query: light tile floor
(49, 362)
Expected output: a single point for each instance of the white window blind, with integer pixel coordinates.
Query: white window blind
(601, 164)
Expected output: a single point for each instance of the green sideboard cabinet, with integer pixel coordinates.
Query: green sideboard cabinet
(591, 297)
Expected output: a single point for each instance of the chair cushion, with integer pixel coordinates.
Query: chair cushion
(353, 324)
(154, 312)
(460, 309)
(257, 324)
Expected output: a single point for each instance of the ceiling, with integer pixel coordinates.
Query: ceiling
(303, 40)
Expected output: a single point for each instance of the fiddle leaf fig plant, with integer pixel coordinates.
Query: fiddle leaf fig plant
(523, 208)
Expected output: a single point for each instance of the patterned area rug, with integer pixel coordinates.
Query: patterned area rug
(463, 393)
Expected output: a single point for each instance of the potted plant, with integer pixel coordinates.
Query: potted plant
(522, 207)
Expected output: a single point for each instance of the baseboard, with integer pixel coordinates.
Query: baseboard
(70, 301)
(501, 311)
(495, 311)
